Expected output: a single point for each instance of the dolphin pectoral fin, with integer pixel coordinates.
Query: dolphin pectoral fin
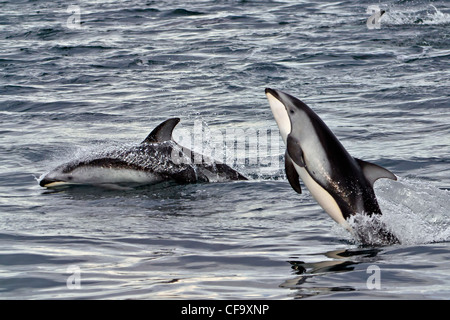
(163, 132)
(374, 172)
(292, 174)
(295, 151)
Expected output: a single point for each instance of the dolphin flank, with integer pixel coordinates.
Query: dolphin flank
(341, 184)
(158, 158)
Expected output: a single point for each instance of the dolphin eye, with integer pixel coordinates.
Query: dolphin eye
(69, 178)
(292, 111)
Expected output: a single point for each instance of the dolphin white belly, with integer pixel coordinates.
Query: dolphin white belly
(325, 200)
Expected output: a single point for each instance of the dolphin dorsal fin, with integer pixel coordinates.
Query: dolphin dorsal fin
(374, 172)
(163, 132)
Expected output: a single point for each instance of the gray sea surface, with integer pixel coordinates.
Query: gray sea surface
(90, 76)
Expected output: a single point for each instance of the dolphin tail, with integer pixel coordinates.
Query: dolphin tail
(374, 172)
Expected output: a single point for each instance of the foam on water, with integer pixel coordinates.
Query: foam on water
(422, 14)
(416, 210)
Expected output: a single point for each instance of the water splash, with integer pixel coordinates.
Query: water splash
(416, 210)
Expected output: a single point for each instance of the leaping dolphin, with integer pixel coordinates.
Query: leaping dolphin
(158, 158)
(341, 184)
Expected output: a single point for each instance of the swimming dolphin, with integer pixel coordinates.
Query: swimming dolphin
(341, 184)
(158, 158)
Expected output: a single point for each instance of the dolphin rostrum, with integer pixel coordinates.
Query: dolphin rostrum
(341, 184)
(158, 158)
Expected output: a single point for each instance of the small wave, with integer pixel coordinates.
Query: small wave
(33, 107)
(80, 49)
(140, 10)
(38, 33)
(183, 12)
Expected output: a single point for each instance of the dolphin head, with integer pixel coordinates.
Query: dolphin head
(292, 115)
(98, 171)
(280, 111)
(61, 175)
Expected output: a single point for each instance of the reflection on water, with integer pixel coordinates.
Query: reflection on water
(341, 261)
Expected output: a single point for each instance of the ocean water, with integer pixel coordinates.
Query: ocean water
(79, 78)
